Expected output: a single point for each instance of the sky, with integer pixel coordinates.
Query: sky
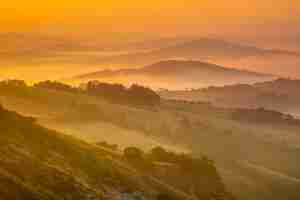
(168, 17)
(265, 23)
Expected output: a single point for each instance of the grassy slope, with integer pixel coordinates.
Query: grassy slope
(244, 153)
(37, 163)
(84, 116)
(280, 95)
(43, 163)
(256, 161)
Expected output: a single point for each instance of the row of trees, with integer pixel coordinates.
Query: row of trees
(135, 94)
(54, 85)
(159, 154)
(116, 93)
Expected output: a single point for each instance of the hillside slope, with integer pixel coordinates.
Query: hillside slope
(281, 95)
(243, 150)
(37, 163)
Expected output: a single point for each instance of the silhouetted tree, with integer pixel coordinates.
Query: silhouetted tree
(136, 95)
(133, 153)
(54, 85)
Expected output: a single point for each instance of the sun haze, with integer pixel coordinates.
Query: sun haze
(133, 15)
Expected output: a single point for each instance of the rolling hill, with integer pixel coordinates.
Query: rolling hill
(178, 74)
(279, 94)
(241, 148)
(217, 51)
(26, 53)
(37, 163)
(200, 49)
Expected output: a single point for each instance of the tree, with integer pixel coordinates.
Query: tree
(136, 95)
(13, 83)
(133, 153)
(159, 154)
(54, 85)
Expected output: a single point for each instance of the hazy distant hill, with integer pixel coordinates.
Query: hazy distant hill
(179, 74)
(57, 54)
(28, 45)
(201, 49)
(217, 51)
(280, 94)
(280, 86)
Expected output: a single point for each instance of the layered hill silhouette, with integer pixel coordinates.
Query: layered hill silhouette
(280, 95)
(21, 49)
(179, 74)
(201, 49)
(217, 51)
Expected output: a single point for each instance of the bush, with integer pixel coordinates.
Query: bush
(13, 83)
(133, 153)
(54, 85)
(136, 95)
(159, 154)
(137, 158)
(104, 144)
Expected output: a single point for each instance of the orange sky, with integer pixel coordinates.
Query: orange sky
(252, 21)
(182, 16)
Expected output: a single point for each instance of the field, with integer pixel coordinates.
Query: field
(243, 152)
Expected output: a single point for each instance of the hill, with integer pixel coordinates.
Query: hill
(200, 49)
(280, 95)
(25, 52)
(37, 163)
(242, 149)
(179, 74)
(218, 51)
(280, 86)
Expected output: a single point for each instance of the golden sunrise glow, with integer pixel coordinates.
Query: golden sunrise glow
(94, 22)
(134, 14)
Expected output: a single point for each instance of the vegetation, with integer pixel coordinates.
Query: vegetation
(280, 95)
(136, 95)
(37, 164)
(197, 176)
(54, 85)
(104, 144)
(116, 93)
(243, 152)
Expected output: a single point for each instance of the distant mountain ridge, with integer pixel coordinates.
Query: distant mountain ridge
(200, 49)
(169, 67)
(217, 51)
(57, 50)
(195, 73)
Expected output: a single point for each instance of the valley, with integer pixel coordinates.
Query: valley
(242, 150)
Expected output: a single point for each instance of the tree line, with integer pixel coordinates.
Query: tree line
(116, 93)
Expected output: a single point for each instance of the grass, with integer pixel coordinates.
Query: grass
(199, 128)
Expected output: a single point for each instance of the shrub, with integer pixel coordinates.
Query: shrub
(54, 85)
(136, 95)
(133, 153)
